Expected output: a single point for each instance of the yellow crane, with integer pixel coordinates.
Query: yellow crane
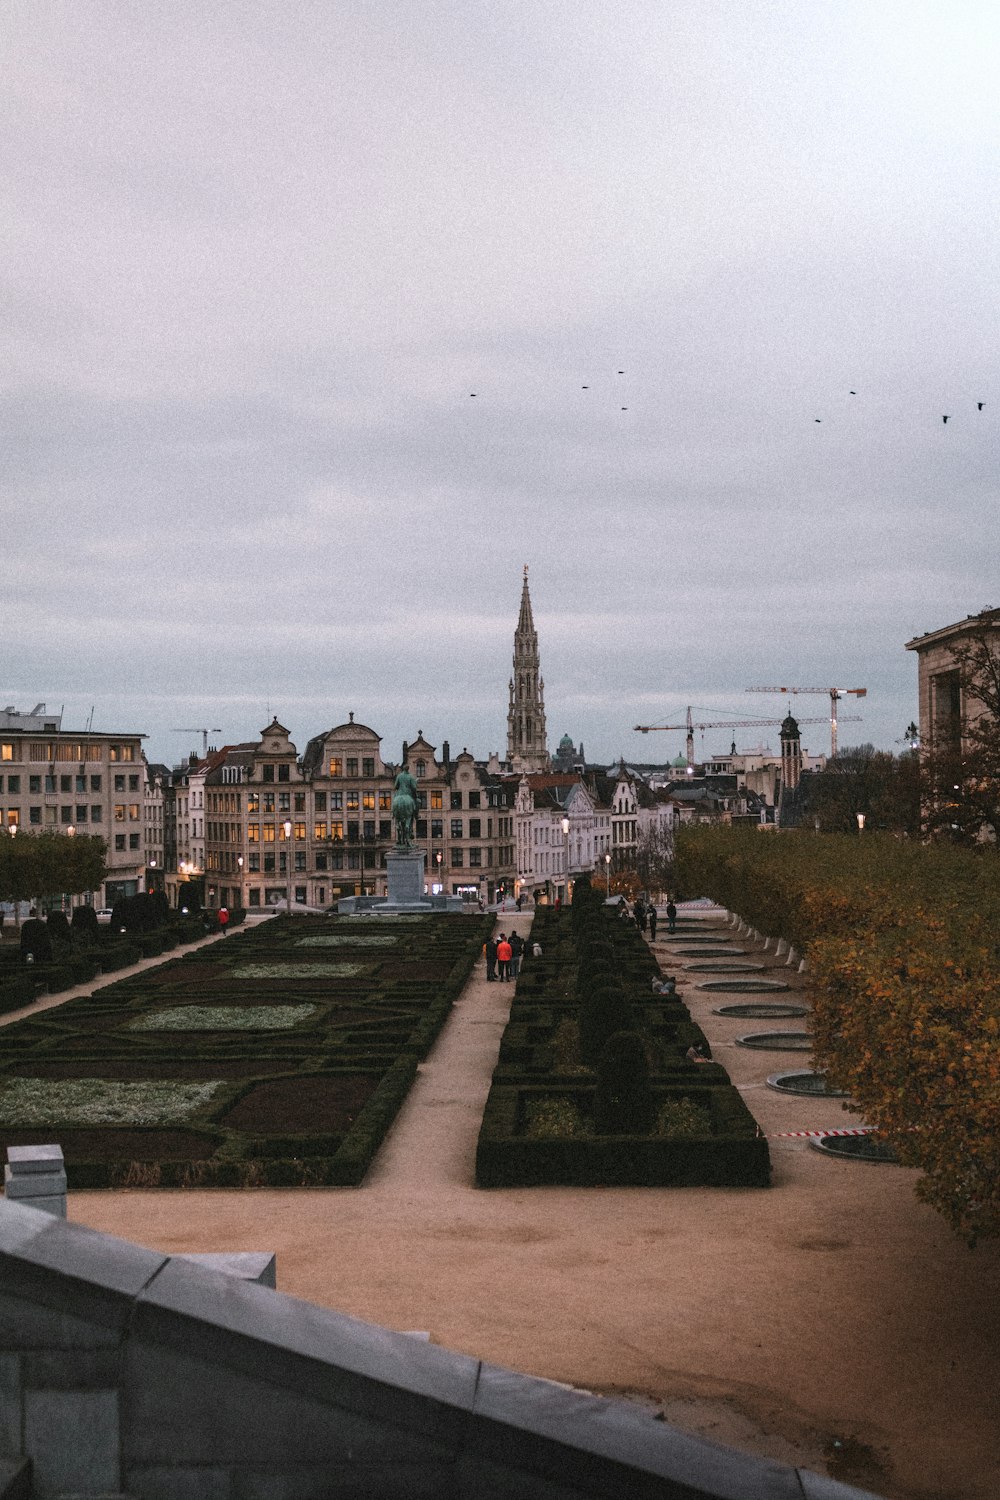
(835, 695)
(690, 726)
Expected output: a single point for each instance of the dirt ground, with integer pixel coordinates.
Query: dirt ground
(830, 1321)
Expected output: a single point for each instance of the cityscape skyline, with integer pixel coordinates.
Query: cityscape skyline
(320, 322)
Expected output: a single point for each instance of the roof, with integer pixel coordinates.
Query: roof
(986, 619)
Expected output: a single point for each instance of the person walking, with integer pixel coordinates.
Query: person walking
(516, 950)
(652, 924)
(491, 958)
(671, 916)
(639, 912)
(223, 919)
(503, 957)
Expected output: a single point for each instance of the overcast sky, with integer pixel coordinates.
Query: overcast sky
(257, 257)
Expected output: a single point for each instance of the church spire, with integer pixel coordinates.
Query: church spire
(526, 749)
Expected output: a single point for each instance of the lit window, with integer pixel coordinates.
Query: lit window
(253, 833)
(319, 831)
(119, 812)
(6, 752)
(300, 830)
(368, 801)
(336, 829)
(133, 812)
(385, 802)
(336, 766)
(268, 831)
(437, 800)
(352, 801)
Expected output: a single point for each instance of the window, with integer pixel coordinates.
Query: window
(421, 828)
(437, 800)
(267, 773)
(253, 802)
(354, 860)
(385, 802)
(384, 828)
(95, 783)
(133, 841)
(456, 859)
(319, 831)
(456, 828)
(268, 831)
(284, 773)
(34, 815)
(369, 828)
(50, 783)
(437, 828)
(368, 765)
(319, 802)
(96, 813)
(6, 751)
(300, 829)
(133, 812)
(336, 801)
(14, 784)
(81, 812)
(456, 800)
(300, 859)
(337, 860)
(253, 833)
(422, 801)
(284, 802)
(352, 802)
(475, 828)
(119, 842)
(300, 801)
(268, 864)
(473, 799)
(254, 863)
(34, 783)
(300, 894)
(368, 801)
(119, 812)
(352, 765)
(321, 862)
(336, 766)
(80, 784)
(120, 752)
(65, 783)
(336, 829)
(352, 832)
(269, 802)
(475, 856)
(255, 896)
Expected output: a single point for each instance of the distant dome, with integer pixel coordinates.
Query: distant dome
(566, 746)
(789, 729)
(680, 761)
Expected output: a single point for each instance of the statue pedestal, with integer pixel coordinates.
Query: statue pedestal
(405, 877)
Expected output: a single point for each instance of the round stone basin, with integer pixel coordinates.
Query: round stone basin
(695, 937)
(746, 986)
(761, 1010)
(856, 1148)
(711, 953)
(721, 968)
(777, 1041)
(809, 1082)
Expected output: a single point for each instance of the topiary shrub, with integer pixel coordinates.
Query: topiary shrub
(604, 1009)
(84, 923)
(624, 1104)
(58, 929)
(36, 941)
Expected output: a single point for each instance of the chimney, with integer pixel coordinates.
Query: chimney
(446, 753)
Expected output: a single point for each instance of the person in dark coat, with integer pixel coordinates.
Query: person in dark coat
(639, 912)
(516, 950)
(671, 916)
(652, 924)
(491, 958)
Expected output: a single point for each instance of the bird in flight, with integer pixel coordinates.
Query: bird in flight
(980, 405)
(853, 393)
(944, 419)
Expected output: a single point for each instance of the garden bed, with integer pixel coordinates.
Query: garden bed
(279, 1059)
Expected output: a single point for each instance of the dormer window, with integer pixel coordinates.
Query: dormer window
(421, 768)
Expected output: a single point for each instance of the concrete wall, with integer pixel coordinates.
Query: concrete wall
(126, 1371)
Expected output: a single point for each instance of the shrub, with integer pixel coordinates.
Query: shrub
(84, 922)
(58, 928)
(682, 1119)
(624, 1103)
(36, 940)
(603, 1011)
(554, 1120)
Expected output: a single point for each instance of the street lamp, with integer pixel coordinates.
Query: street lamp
(438, 856)
(861, 822)
(239, 866)
(607, 872)
(565, 829)
(287, 826)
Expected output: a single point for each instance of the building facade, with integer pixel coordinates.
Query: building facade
(947, 708)
(55, 780)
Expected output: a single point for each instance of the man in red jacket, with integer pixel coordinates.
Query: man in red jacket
(504, 954)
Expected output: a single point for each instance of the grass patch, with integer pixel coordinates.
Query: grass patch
(224, 1018)
(99, 1101)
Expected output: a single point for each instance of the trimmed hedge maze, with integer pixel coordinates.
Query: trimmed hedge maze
(593, 1086)
(277, 1058)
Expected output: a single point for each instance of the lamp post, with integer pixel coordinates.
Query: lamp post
(607, 872)
(438, 857)
(565, 829)
(861, 822)
(239, 866)
(287, 826)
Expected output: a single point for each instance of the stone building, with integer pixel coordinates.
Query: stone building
(946, 707)
(56, 780)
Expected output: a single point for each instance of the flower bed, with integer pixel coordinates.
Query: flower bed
(288, 1071)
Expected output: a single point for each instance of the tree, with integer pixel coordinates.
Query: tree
(883, 788)
(654, 859)
(36, 867)
(961, 776)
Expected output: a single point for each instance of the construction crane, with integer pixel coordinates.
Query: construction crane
(835, 695)
(690, 728)
(204, 737)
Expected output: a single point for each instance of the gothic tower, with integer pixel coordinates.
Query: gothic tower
(526, 749)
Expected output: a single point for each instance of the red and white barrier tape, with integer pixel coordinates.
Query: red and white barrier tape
(785, 1135)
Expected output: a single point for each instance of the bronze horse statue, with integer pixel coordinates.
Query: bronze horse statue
(404, 808)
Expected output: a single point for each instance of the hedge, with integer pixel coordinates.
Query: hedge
(901, 939)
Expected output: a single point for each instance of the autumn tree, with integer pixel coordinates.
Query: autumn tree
(39, 866)
(961, 775)
(883, 788)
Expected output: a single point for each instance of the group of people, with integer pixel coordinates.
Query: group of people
(644, 914)
(503, 956)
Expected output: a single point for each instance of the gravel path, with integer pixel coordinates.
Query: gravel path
(831, 1317)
